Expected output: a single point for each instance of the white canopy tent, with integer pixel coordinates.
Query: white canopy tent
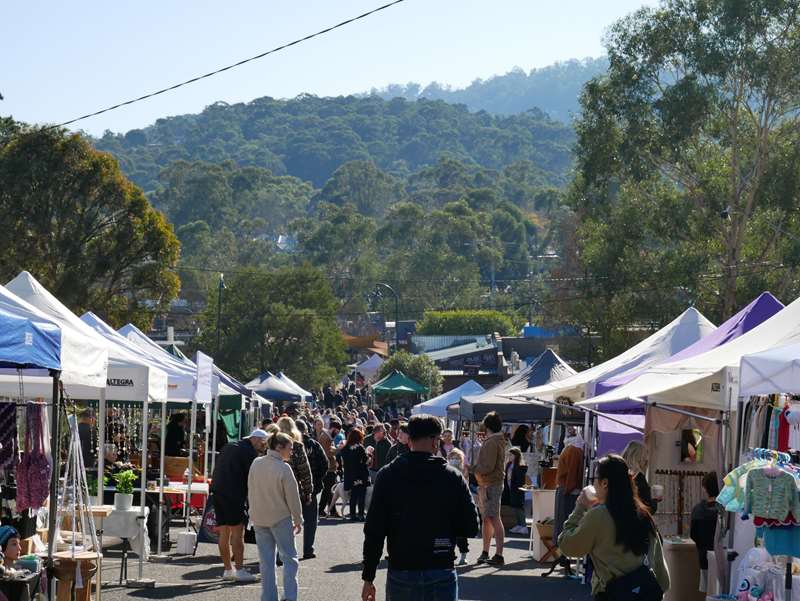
(128, 379)
(370, 366)
(304, 394)
(709, 380)
(84, 360)
(689, 327)
(438, 405)
(771, 371)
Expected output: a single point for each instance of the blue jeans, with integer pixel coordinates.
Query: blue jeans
(280, 536)
(421, 585)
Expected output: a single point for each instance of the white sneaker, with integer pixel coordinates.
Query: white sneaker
(462, 561)
(242, 575)
(229, 575)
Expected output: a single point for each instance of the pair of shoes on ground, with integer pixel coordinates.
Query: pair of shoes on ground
(519, 530)
(240, 575)
(497, 560)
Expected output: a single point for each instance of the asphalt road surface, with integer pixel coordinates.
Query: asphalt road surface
(335, 575)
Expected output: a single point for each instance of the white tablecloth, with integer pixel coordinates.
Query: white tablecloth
(125, 524)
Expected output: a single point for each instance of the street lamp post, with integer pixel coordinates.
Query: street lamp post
(219, 309)
(379, 287)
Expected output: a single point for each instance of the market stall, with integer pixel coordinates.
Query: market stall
(304, 394)
(35, 346)
(397, 384)
(130, 378)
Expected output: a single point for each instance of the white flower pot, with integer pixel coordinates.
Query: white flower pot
(123, 502)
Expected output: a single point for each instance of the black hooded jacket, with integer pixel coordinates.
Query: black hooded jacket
(420, 504)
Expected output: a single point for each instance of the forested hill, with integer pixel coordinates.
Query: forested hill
(553, 89)
(310, 137)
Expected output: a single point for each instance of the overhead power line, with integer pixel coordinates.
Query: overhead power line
(232, 66)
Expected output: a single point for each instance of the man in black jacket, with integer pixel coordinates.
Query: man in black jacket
(318, 461)
(421, 505)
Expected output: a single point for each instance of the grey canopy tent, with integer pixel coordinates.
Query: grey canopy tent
(271, 388)
(547, 367)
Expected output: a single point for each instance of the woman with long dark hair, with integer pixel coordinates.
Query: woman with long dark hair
(356, 472)
(614, 527)
(521, 439)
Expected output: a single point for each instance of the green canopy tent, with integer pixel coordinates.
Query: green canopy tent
(398, 384)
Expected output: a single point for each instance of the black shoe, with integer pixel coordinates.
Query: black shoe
(279, 562)
(483, 558)
(308, 556)
(497, 560)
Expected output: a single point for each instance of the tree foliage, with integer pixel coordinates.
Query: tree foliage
(554, 89)
(76, 223)
(310, 138)
(484, 321)
(688, 158)
(275, 320)
(419, 368)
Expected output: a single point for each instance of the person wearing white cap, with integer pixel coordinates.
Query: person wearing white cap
(229, 498)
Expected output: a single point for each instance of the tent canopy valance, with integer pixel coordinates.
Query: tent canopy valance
(397, 383)
(438, 405)
(304, 394)
(689, 327)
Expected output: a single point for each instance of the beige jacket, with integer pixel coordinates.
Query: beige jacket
(491, 465)
(272, 492)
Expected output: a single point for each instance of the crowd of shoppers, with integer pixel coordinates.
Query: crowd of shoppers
(414, 484)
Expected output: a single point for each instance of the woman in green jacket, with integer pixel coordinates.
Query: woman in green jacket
(614, 528)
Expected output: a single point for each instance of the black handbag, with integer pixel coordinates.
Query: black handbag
(639, 585)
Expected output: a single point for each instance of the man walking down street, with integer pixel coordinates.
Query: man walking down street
(490, 473)
(229, 492)
(401, 446)
(420, 505)
(319, 467)
(381, 447)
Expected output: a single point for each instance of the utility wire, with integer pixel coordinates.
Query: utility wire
(232, 66)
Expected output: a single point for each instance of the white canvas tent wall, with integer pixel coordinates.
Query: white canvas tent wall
(773, 371)
(689, 327)
(709, 380)
(438, 405)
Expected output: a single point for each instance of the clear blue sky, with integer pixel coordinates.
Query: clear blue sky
(64, 59)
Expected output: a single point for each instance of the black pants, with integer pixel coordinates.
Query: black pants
(358, 497)
(463, 544)
(328, 482)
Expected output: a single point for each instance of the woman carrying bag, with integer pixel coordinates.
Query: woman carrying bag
(613, 527)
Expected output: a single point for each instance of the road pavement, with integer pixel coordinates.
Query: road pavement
(335, 575)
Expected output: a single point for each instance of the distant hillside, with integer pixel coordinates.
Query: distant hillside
(554, 89)
(310, 137)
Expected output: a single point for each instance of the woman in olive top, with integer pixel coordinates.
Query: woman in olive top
(614, 528)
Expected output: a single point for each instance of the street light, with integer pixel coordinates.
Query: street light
(379, 294)
(219, 309)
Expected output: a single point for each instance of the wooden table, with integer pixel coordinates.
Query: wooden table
(64, 592)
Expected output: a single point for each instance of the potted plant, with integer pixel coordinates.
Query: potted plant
(123, 498)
